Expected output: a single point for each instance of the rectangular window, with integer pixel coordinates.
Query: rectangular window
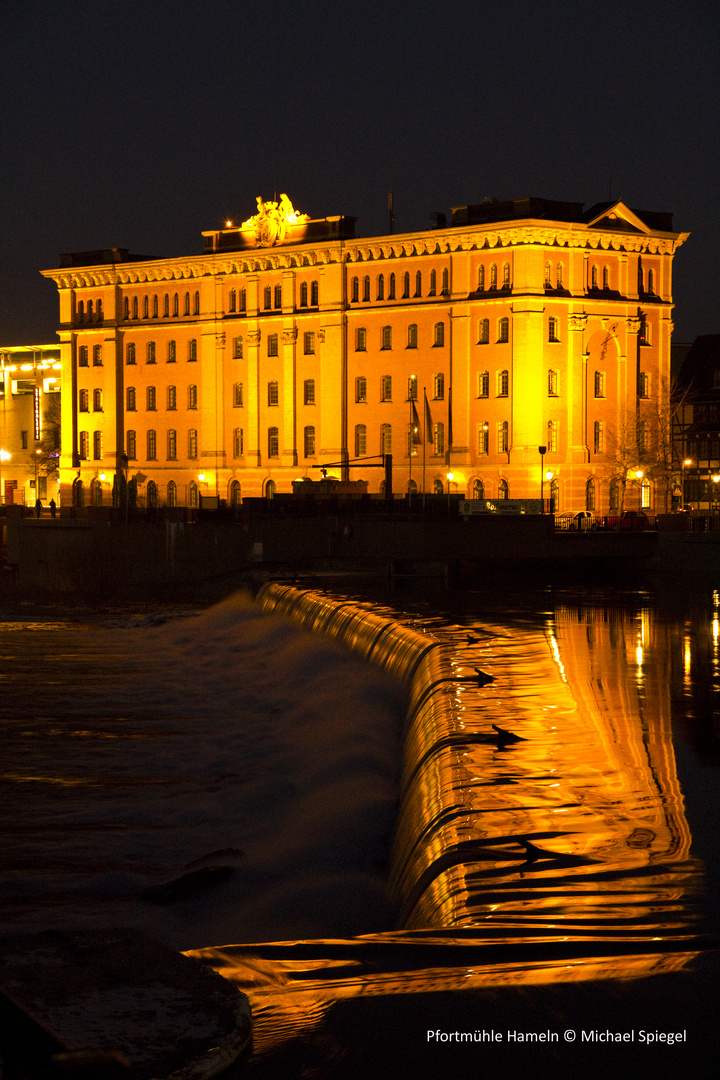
(151, 445)
(192, 350)
(151, 352)
(273, 442)
(84, 402)
(130, 353)
(172, 445)
(172, 352)
(644, 385)
(386, 439)
(150, 394)
(97, 401)
(192, 444)
(172, 397)
(360, 440)
(386, 388)
(502, 384)
(238, 442)
(309, 392)
(484, 438)
(412, 388)
(598, 437)
(272, 345)
(309, 442)
(552, 436)
(439, 439)
(192, 397)
(273, 394)
(238, 395)
(483, 384)
(309, 342)
(131, 446)
(23, 440)
(97, 355)
(238, 348)
(361, 388)
(361, 339)
(83, 356)
(502, 437)
(387, 337)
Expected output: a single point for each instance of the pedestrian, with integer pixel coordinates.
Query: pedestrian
(52, 508)
(38, 507)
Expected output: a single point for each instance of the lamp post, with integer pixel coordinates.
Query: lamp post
(450, 478)
(548, 477)
(716, 481)
(4, 456)
(542, 451)
(684, 462)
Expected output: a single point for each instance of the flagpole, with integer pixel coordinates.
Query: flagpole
(411, 447)
(424, 436)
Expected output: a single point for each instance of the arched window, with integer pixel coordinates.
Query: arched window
(131, 446)
(386, 439)
(503, 329)
(238, 442)
(433, 283)
(97, 445)
(278, 296)
(166, 306)
(484, 332)
(599, 384)
(172, 444)
(439, 335)
(309, 392)
(196, 304)
(130, 401)
(172, 352)
(590, 495)
(172, 493)
(135, 307)
(606, 277)
(439, 439)
(150, 399)
(78, 493)
(130, 354)
(84, 400)
(192, 495)
(439, 386)
(186, 309)
(360, 440)
(126, 308)
(418, 283)
(238, 347)
(192, 397)
(97, 356)
(481, 279)
(242, 305)
(650, 284)
(594, 278)
(559, 275)
(614, 494)
(309, 442)
(437, 487)
(270, 489)
(548, 275)
(232, 300)
(386, 388)
(483, 387)
(273, 392)
(554, 495)
(387, 337)
(380, 287)
(478, 490)
(366, 289)
(484, 438)
(406, 285)
(552, 436)
(552, 383)
(176, 305)
(553, 329)
(502, 383)
(412, 487)
(361, 388)
(146, 308)
(412, 388)
(235, 494)
(273, 442)
(506, 275)
(445, 282)
(192, 444)
(151, 445)
(155, 307)
(503, 489)
(267, 297)
(412, 336)
(172, 397)
(314, 294)
(391, 288)
(493, 276)
(355, 291)
(97, 400)
(502, 434)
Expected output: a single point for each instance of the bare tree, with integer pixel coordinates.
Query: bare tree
(48, 459)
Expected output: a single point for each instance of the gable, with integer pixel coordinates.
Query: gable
(616, 216)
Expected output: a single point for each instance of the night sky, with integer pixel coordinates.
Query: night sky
(140, 123)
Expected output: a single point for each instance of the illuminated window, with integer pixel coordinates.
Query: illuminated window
(97, 356)
(97, 401)
(503, 329)
(483, 432)
(481, 279)
(242, 305)
(644, 385)
(554, 495)
(361, 388)
(126, 308)
(391, 288)
(192, 495)
(278, 296)
(503, 490)
(150, 399)
(238, 348)
(186, 307)
(433, 283)
(150, 353)
(130, 353)
(131, 446)
(445, 282)
(309, 442)
(478, 489)
(272, 345)
(135, 307)
(484, 332)
(437, 487)
(238, 442)
(151, 445)
(412, 336)
(273, 442)
(172, 398)
(268, 298)
(506, 275)
(172, 493)
(386, 388)
(502, 383)
(309, 391)
(192, 350)
(590, 495)
(646, 494)
(355, 291)
(238, 395)
(166, 306)
(309, 342)
(232, 300)
(594, 278)
(196, 304)
(97, 445)
(314, 294)
(599, 384)
(559, 276)
(548, 275)
(146, 308)
(606, 277)
(439, 439)
(273, 393)
(172, 444)
(418, 283)
(192, 444)
(552, 436)
(406, 286)
(381, 287)
(502, 437)
(84, 399)
(552, 383)
(413, 438)
(439, 386)
(483, 384)
(176, 305)
(598, 437)
(553, 329)
(386, 438)
(360, 339)
(493, 276)
(439, 334)
(172, 352)
(192, 397)
(412, 388)
(387, 337)
(84, 445)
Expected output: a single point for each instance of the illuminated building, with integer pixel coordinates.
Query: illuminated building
(289, 344)
(29, 435)
(697, 425)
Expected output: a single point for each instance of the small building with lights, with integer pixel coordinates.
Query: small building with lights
(30, 381)
(521, 348)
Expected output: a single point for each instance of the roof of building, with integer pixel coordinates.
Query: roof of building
(697, 373)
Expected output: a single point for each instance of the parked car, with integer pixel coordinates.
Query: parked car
(634, 520)
(580, 521)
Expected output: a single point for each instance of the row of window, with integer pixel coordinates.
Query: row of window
(553, 437)
(95, 315)
(502, 381)
(151, 306)
(151, 398)
(171, 353)
(381, 294)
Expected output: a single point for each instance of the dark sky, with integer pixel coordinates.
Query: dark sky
(138, 123)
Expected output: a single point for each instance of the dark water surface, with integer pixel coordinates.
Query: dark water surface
(567, 881)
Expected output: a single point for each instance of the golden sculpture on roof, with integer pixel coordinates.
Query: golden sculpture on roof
(272, 221)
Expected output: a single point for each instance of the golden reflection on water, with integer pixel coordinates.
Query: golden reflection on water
(561, 857)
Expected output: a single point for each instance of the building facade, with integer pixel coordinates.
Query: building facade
(696, 417)
(30, 380)
(290, 344)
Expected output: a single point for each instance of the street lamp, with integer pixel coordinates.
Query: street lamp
(716, 481)
(450, 478)
(548, 476)
(685, 461)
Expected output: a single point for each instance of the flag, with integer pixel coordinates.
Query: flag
(428, 421)
(415, 420)
(449, 438)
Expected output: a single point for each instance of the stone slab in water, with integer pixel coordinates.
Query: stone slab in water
(121, 997)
